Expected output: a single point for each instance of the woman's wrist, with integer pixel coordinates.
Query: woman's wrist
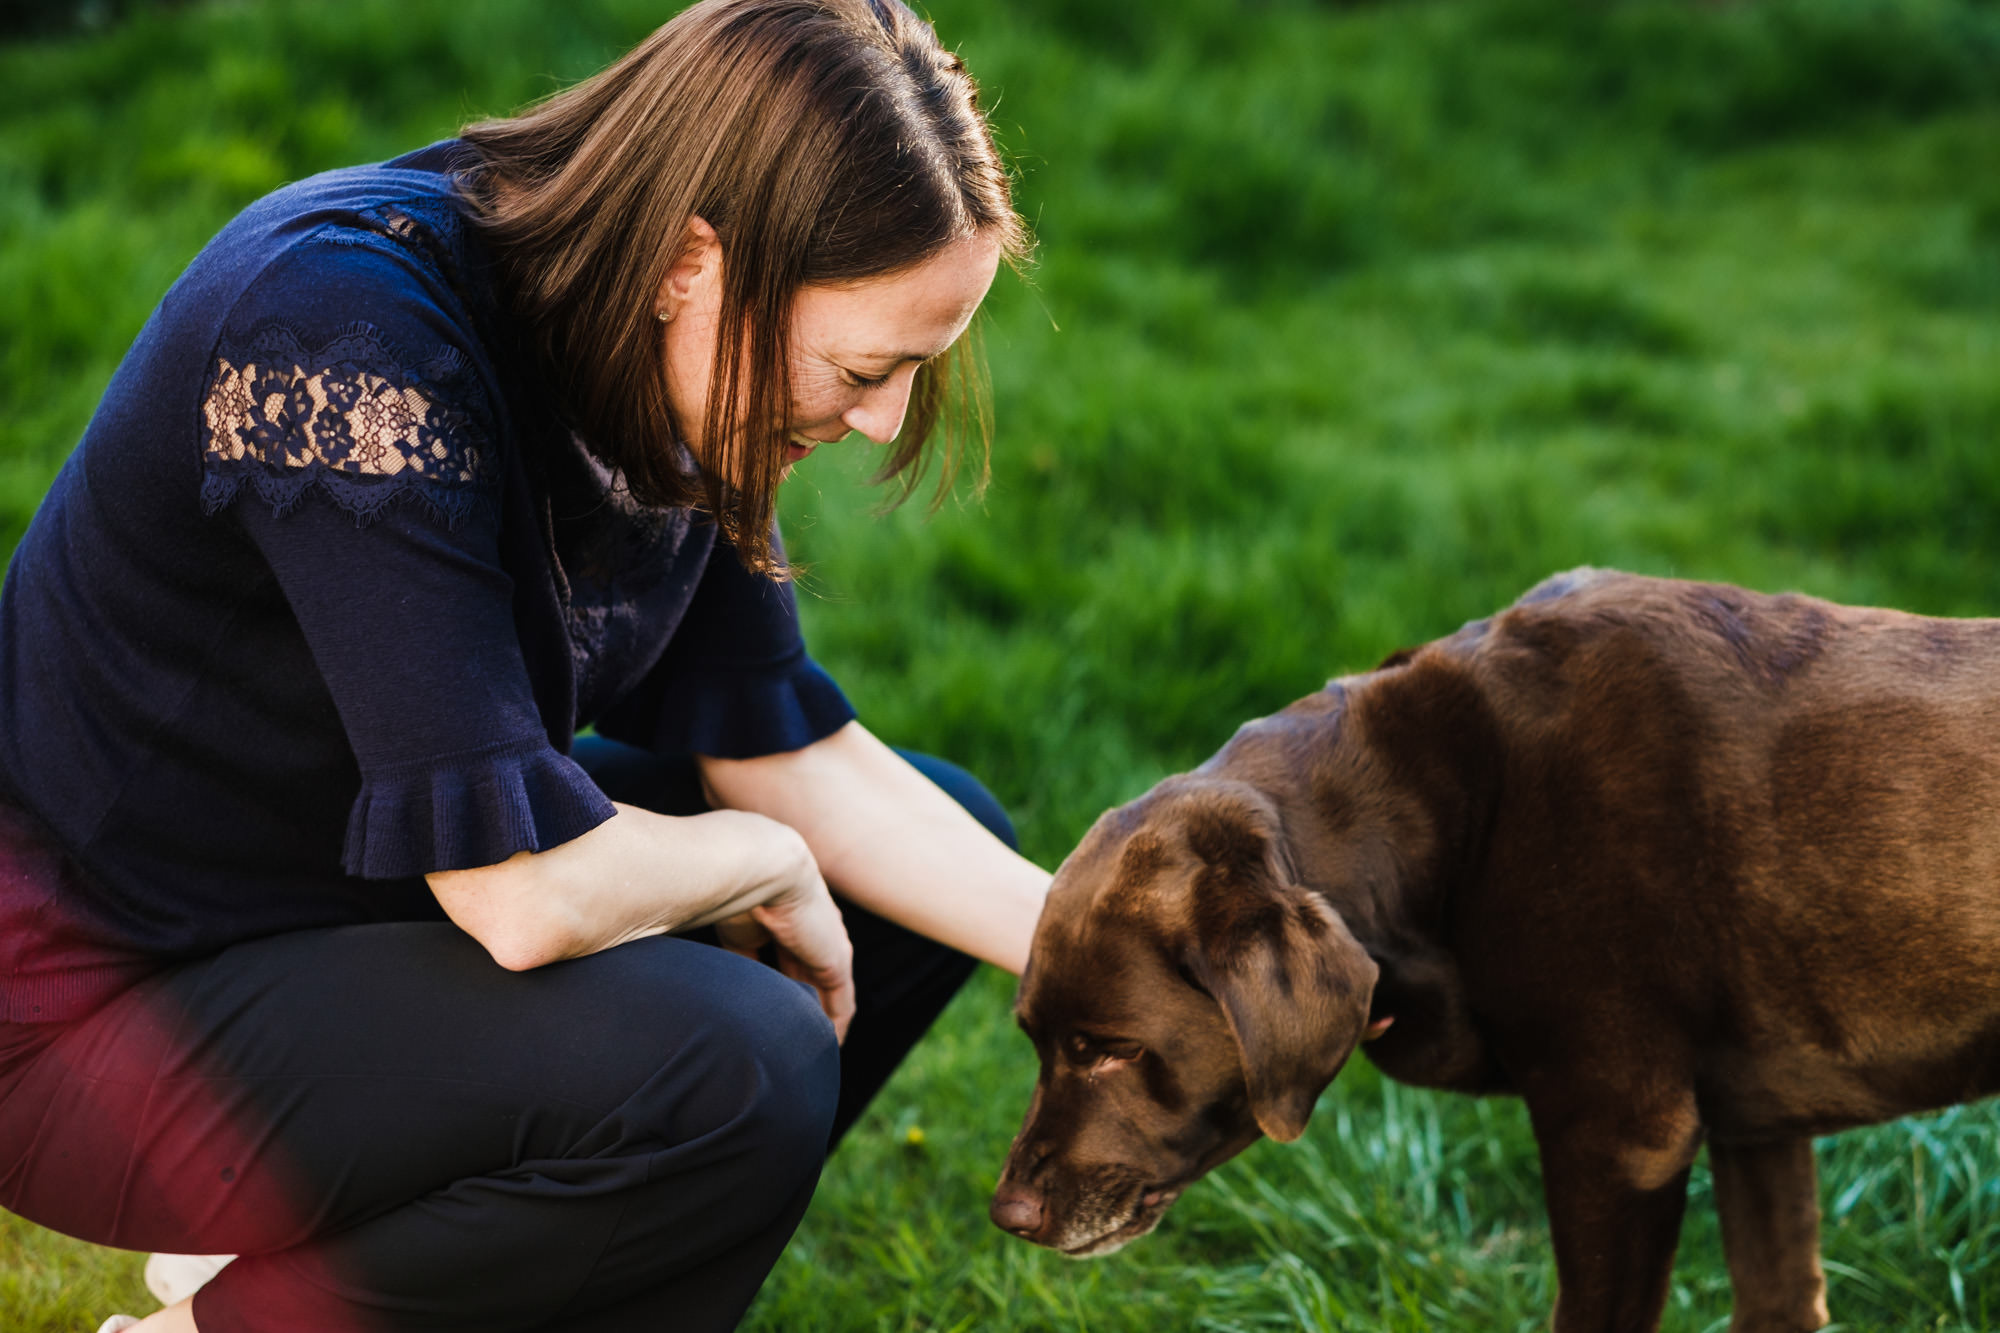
(637, 874)
(766, 862)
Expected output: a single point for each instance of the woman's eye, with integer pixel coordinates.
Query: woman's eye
(863, 381)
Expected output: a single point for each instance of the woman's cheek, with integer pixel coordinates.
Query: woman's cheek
(814, 415)
(819, 397)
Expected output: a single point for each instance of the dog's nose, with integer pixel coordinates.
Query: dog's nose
(1017, 1209)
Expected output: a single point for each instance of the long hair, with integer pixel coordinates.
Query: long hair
(826, 141)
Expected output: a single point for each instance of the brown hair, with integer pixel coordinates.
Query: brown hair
(826, 141)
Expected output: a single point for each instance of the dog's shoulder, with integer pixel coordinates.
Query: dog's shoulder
(1568, 583)
(1547, 620)
(1598, 622)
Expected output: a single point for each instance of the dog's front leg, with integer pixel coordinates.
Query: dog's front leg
(1768, 1197)
(1616, 1185)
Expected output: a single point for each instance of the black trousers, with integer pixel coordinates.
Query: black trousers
(398, 1134)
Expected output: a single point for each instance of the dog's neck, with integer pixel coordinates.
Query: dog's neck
(1386, 784)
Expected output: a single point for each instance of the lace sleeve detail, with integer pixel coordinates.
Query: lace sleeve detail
(354, 418)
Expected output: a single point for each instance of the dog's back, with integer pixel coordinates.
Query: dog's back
(1800, 801)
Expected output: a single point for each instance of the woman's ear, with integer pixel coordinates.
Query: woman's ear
(697, 264)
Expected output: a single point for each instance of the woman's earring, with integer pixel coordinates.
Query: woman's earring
(663, 315)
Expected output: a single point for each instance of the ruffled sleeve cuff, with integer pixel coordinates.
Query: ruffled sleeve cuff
(743, 714)
(468, 810)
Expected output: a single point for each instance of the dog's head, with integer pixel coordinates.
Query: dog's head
(1184, 994)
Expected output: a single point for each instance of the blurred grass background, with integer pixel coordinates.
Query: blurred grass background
(1351, 322)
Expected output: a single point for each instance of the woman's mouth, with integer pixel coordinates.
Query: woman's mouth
(798, 447)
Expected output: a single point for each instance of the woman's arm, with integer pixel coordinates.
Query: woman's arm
(640, 874)
(893, 842)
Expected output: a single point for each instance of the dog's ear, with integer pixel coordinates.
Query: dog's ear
(1292, 981)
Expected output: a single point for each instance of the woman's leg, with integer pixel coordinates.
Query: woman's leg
(398, 1134)
(901, 979)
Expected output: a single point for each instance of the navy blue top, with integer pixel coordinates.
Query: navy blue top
(319, 602)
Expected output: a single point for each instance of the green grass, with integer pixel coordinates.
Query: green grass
(1351, 323)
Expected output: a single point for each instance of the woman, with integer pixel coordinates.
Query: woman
(321, 944)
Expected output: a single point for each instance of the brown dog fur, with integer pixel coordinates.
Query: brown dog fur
(1674, 862)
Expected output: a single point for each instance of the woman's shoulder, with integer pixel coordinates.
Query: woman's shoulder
(350, 322)
(344, 241)
(348, 301)
(413, 199)
(382, 246)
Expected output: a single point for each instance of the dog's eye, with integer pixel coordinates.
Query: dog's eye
(1083, 1049)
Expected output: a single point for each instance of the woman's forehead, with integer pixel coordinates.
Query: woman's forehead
(912, 314)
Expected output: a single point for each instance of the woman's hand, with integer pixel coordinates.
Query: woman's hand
(803, 924)
(640, 874)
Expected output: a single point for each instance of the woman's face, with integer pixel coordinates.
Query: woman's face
(855, 347)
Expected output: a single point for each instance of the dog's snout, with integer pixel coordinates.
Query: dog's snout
(1017, 1208)
(1031, 1160)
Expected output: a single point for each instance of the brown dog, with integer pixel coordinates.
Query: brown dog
(1674, 862)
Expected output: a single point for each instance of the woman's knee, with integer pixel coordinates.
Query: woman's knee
(752, 1057)
(786, 1040)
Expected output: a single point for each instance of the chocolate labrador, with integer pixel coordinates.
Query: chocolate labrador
(1674, 862)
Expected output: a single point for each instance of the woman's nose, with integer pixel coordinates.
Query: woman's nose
(879, 414)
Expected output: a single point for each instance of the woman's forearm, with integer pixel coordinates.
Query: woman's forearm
(886, 837)
(637, 874)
